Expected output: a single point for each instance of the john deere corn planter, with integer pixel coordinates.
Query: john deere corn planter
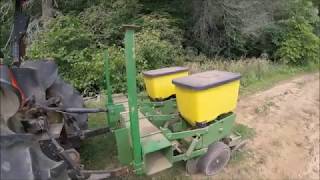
(182, 118)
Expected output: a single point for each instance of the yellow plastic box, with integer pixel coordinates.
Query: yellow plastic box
(159, 82)
(202, 97)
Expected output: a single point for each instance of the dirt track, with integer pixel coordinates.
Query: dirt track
(286, 121)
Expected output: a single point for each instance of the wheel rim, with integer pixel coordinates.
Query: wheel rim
(218, 163)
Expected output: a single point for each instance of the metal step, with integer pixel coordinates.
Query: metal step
(156, 162)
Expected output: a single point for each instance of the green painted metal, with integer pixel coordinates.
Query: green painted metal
(176, 127)
(168, 152)
(192, 146)
(184, 157)
(113, 115)
(123, 146)
(114, 111)
(181, 131)
(184, 134)
(218, 130)
(107, 79)
(159, 112)
(180, 125)
(154, 143)
(132, 99)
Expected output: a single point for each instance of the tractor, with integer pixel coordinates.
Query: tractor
(43, 118)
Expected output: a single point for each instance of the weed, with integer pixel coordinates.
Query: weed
(245, 131)
(238, 156)
(265, 107)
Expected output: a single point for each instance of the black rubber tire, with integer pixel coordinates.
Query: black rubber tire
(70, 97)
(192, 166)
(216, 158)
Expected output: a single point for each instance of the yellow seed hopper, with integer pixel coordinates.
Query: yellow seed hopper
(204, 96)
(159, 82)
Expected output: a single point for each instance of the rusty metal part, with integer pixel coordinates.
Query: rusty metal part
(76, 110)
(105, 174)
(10, 97)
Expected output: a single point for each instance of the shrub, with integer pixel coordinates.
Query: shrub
(117, 68)
(71, 46)
(80, 61)
(106, 19)
(152, 52)
(165, 25)
(300, 46)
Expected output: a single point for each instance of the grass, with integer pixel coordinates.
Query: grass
(245, 131)
(257, 74)
(238, 156)
(98, 152)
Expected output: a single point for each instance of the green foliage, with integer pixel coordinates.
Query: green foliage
(152, 52)
(292, 38)
(77, 39)
(238, 28)
(297, 42)
(300, 46)
(167, 26)
(117, 68)
(6, 20)
(71, 46)
(105, 20)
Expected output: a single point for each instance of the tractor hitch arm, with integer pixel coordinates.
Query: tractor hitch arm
(84, 134)
(76, 110)
(105, 174)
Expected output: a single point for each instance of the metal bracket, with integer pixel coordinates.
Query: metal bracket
(183, 134)
(113, 115)
(192, 146)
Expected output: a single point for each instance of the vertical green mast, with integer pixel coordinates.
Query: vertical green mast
(132, 97)
(109, 102)
(107, 78)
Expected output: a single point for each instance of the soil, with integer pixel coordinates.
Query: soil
(286, 123)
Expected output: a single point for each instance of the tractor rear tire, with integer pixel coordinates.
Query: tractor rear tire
(215, 159)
